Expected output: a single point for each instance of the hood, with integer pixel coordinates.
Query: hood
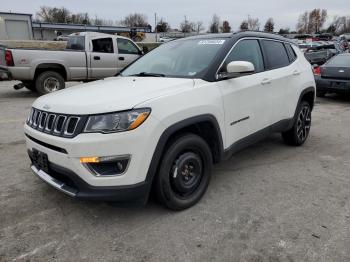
(110, 95)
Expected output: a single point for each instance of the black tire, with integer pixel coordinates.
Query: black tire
(184, 172)
(30, 85)
(48, 82)
(298, 134)
(321, 93)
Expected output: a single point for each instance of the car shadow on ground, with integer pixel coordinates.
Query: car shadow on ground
(338, 98)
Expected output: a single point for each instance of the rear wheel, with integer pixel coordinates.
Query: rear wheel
(184, 172)
(49, 81)
(298, 134)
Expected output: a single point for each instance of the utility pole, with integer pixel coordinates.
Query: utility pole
(155, 26)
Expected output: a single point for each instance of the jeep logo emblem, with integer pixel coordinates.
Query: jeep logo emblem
(47, 107)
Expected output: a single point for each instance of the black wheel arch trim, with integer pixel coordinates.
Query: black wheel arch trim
(164, 138)
(310, 89)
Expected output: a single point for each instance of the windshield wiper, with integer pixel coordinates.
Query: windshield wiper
(149, 74)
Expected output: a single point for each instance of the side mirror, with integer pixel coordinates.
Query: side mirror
(236, 69)
(240, 67)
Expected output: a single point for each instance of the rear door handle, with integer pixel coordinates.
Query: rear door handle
(266, 81)
(97, 58)
(296, 72)
(121, 58)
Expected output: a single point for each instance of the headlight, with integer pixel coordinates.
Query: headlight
(117, 122)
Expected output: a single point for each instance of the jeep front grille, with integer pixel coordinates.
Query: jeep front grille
(56, 124)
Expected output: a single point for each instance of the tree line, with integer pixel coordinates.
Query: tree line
(309, 22)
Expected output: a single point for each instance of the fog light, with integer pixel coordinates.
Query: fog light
(107, 166)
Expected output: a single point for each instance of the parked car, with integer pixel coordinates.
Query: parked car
(62, 38)
(88, 56)
(164, 39)
(319, 55)
(305, 46)
(169, 116)
(334, 75)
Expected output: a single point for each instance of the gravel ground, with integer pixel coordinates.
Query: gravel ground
(270, 202)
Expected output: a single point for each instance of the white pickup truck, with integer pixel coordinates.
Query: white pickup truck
(88, 56)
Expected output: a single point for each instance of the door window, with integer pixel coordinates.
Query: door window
(291, 53)
(102, 45)
(127, 47)
(275, 53)
(247, 50)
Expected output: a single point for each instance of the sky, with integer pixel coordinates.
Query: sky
(284, 12)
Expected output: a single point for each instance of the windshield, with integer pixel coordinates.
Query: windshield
(185, 58)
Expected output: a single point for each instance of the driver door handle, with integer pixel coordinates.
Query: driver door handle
(97, 58)
(296, 72)
(266, 81)
(121, 58)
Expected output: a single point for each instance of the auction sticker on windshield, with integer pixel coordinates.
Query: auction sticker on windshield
(211, 42)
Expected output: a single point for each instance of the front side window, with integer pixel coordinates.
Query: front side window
(127, 47)
(276, 54)
(249, 51)
(187, 58)
(102, 45)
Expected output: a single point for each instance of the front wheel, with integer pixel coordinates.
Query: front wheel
(184, 172)
(48, 82)
(298, 134)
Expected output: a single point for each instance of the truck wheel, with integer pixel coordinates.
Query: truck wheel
(298, 134)
(184, 172)
(48, 82)
(30, 85)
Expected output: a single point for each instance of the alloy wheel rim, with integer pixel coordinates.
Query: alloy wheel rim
(304, 123)
(51, 84)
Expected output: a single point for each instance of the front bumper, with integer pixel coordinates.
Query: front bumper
(332, 85)
(5, 74)
(71, 184)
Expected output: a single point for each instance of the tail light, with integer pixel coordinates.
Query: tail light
(9, 58)
(317, 71)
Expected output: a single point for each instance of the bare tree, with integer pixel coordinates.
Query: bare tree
(244, 25)
(53, 14)
(250, 24)
(269, 25)
(162, 26)
(187, 26)
(199, 27)
(340, 25)
(214, 24)
(303, 23)
(135, 20)
(253, 24)
(225, 28)
(317, 18)
(312, 22)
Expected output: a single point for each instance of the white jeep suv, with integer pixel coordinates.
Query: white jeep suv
(164, 121)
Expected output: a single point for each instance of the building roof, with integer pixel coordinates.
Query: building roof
(82, 27)
(10, 13)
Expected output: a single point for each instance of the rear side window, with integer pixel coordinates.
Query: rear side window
(76, 42)
(102, 45)
(275, 54)
(247, 50)
(291, 53)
